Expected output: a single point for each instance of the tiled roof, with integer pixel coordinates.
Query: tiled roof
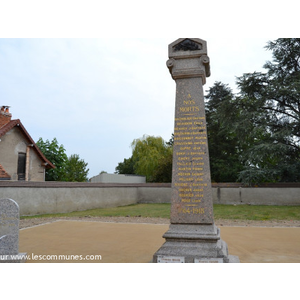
(3, 173)
(12, 124)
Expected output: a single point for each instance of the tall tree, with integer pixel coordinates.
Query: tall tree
(271, 101)
(224, 146)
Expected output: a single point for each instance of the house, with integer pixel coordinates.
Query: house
(20, 158)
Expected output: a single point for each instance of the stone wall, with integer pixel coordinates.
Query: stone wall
(36, 198)
(234, 193)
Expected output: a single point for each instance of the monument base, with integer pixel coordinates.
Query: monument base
(17, 258)
(193, 244)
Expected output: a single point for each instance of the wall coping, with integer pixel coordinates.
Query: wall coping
(58, 184)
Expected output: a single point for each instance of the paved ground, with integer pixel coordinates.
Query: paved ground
(136, 243)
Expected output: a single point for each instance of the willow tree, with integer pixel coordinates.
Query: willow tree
(149, 154)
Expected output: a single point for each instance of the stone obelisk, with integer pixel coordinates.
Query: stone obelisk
(192, 236)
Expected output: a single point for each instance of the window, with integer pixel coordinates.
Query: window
(21, 166)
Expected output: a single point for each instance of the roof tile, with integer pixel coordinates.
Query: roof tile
(3, 173)
(12, 124)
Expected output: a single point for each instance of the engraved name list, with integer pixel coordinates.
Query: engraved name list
(190, 187)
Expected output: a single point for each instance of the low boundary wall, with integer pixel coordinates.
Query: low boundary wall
(46, 198)
(233, 193)
(36, 198)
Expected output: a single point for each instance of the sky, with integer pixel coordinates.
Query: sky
(96, 95)
(80, 73)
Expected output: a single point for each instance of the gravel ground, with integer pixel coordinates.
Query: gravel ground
(25, 223)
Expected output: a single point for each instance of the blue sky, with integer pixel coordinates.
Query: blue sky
(97, 95)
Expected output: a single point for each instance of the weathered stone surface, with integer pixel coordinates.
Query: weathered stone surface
(192, 236)
(191, 183)
(9, 227)
(193, 242)
(187, 47)
(9, 232)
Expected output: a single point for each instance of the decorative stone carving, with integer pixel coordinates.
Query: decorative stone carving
(187, 45)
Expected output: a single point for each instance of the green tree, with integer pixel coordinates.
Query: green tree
(76, 169)
(148, 152)
(224, 146)
(163, 172)
(125, 167)
(171, 141)
(270, 101)
(151, 157)
(67, 169)
(57, 155)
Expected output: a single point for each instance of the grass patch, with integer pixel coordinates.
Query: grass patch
(135, 210)
(256, 212)
(238, 212)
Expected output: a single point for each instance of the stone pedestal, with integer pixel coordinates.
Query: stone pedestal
(9, 232)
(194, 244)
(192, 236)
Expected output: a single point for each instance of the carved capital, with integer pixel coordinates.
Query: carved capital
(189, 68)
(170, 64)
(188, 59)
(205, 61)
(189, 73)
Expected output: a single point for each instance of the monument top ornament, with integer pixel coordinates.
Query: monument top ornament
(188, 59)
(187, 47)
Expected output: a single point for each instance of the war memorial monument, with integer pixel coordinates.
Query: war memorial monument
(192, 236)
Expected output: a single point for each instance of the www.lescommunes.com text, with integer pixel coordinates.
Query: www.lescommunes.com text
(54, 257)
